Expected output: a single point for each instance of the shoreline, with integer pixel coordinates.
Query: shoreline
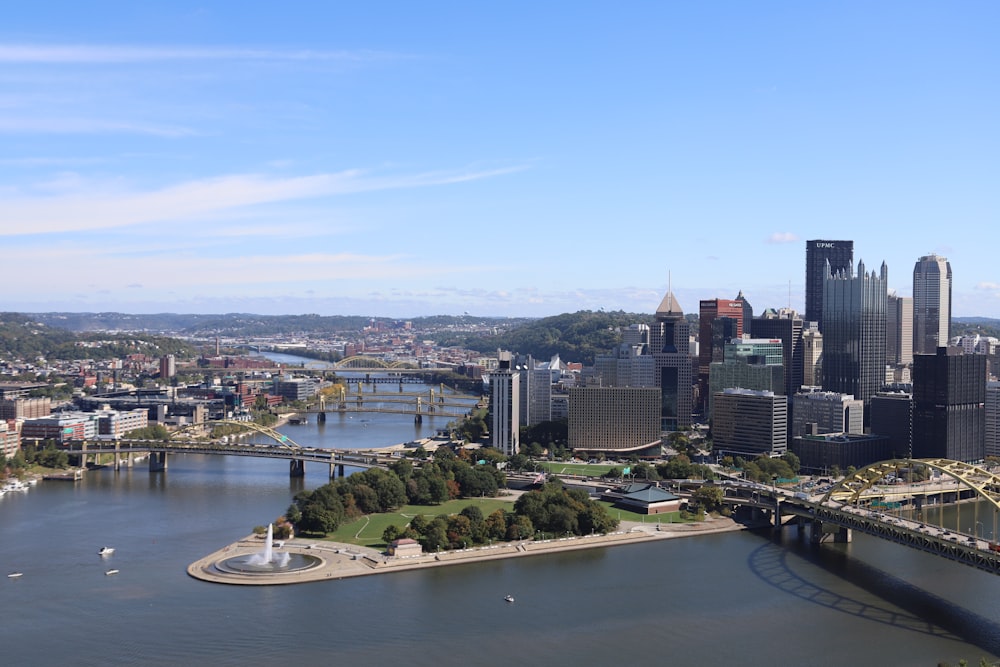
(340, 561)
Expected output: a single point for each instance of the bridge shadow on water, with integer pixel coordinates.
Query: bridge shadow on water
(908, 607)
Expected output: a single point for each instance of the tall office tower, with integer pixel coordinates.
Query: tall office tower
(854, 331)
(168, 366)
(750, 423)
(949, 405)
(719, 321)
(505, 406)
(892, 416)
(931, 304)
(899, 331)
(992, 446)
(785, 325)
(747, 314)
(535, 393)
(840, 255)
(812, 356)
(669, 340)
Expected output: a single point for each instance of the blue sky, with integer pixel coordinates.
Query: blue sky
(516, 158)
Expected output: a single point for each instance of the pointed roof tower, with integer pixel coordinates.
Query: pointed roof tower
(669, 306)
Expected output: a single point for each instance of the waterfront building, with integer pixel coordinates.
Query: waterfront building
(891, 415)
(295, 389)
(505, 406)
(669, 339)
(899, 331)
(644, 498)
(750, 423)
(10, 438)
(949, 405)
(620, 420)
(61, 427)
(854, 311)
(821, 453)
(840, 256)
(931, 304)
(112, 424)
(817, 412)
(992, 439)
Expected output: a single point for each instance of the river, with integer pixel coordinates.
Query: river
(738, 598)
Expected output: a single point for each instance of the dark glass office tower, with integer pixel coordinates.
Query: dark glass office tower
(669, 339)
(949, 405)
(840, 255)
(854, 311)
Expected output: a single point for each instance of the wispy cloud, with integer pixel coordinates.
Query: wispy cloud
(101, 206)
(109, 54)
(782, 237)
(988, 286)
(22, 125)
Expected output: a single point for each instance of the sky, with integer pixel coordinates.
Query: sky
(515, 159)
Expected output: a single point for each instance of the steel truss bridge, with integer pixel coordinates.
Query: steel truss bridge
(866, 500)
(192, 440)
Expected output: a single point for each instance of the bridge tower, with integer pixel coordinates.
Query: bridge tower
(418, 418)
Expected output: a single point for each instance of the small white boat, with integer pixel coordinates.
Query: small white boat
(110, 572)
(106, 551)
(15, 575)
(508, 598)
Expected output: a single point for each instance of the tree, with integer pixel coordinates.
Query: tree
(390, 533)
(708, 498)
(793, 461)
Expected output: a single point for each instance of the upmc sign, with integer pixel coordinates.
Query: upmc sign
(826, 245)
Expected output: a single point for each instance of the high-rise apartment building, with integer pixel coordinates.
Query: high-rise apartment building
(840, 256)
(505, 407)
(854, 310)
(669, 340)
(899, 331)
(949, 405)
(931, 304)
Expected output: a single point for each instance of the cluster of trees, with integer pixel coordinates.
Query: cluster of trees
(560, 510)
(678, 467)
(152, 432)
(465, 529)
(553, 510)
(326, 508)
(30, 454)
(765, 469)
(376, 490)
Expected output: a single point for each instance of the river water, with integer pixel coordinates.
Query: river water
(737, 598)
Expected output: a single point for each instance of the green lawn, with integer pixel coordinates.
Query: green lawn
(367, 531)
(625, 515)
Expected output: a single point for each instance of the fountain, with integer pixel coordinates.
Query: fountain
(267, 561)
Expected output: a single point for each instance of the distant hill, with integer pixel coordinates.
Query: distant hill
(28, 338)
(967, 326)
(578, 336)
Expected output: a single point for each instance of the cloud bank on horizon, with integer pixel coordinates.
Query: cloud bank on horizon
(209, 164)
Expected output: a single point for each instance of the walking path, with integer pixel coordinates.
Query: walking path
(337, 561)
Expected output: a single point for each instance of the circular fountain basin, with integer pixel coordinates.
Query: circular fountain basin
(252, 564)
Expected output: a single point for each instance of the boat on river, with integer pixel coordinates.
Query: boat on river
(15, 575)
(110, 572)
(106, 551)
(508, 598)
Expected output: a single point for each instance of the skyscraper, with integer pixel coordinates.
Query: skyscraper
(931, 304)
(505, 407)
(899, 331)
(854, 311)
(949, 405)
(719, 321)
(840, 255)
(669, 341)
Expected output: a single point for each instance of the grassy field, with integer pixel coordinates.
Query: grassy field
(367, 531)
(624, 515)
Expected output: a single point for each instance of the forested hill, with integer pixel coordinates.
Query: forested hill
(578, 336)
(27, 339)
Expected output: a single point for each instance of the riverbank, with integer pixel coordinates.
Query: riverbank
(338, 561)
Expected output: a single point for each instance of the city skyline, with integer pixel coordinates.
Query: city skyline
(519, 161)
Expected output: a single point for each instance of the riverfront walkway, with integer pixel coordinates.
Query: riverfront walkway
(339, 561)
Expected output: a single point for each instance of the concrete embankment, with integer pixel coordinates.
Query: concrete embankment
(338, 561)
